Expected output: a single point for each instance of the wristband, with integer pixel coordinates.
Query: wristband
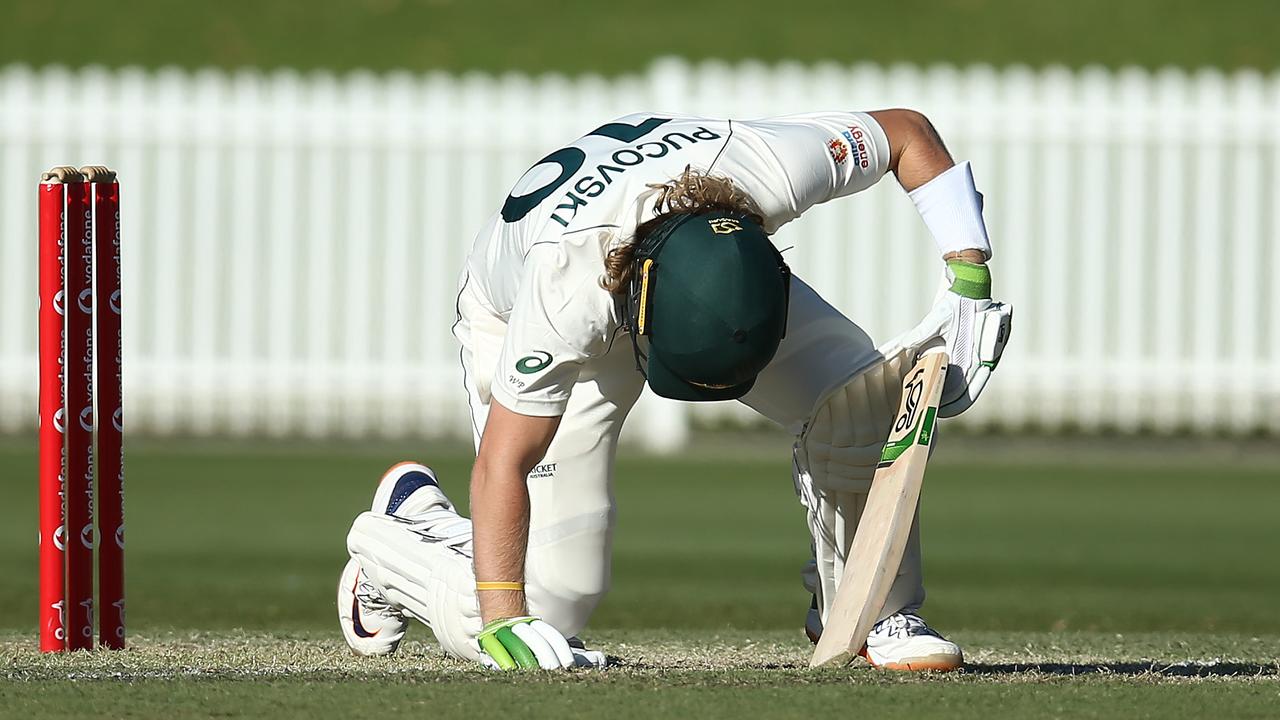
(969, 280)
(952, 210)
(500, 585)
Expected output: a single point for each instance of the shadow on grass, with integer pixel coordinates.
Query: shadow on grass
(1180, 669)
(1203, 669)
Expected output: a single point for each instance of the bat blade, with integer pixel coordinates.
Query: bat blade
(881, 538)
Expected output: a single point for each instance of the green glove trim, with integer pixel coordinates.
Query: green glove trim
(520, 652)
(971, 280)
(505, 647)
(493, 648)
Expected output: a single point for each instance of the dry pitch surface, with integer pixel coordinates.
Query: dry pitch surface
(654, 675)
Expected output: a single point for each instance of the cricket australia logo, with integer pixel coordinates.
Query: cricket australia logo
(531, 364)
(724, 226)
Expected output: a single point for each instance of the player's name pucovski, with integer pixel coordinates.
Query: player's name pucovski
(571, 159)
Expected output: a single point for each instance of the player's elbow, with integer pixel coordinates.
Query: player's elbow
(496, 468)
(906, 124)
(917, 119)
(489, 470)
(916, 152)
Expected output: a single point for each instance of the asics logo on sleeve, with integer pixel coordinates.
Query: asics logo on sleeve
(531, 364)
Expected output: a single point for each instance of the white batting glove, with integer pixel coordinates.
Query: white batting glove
(975, 330)
(527, 643)
(971, 327)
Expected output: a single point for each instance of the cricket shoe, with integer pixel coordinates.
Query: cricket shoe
(371, 625)
(813, 622)
(410, 493)
(903, 641)
(409, 489)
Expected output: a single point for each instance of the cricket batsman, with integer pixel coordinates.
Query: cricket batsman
(642, 252)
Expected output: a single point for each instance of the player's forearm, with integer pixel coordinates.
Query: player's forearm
(500, 523)
(942, 191)
(512, 444)
(916, 151)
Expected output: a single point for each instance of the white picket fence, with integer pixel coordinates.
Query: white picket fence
(291, 242)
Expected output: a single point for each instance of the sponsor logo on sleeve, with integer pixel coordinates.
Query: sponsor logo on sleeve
(858, 141)
(839, 151)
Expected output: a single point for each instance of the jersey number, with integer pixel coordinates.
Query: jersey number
(570, 160)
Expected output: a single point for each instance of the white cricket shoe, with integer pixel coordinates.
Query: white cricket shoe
(408, 489)
(903, 641)
(369, 622)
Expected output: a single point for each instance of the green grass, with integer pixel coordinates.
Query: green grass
(580, 36)
(222, 538)
(1081, 585)
(662, 674)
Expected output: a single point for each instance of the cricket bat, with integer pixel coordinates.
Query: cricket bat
(881, 538)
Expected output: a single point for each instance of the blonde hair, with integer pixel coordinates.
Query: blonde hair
(694, 191)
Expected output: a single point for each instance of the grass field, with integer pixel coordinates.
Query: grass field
(1081, 585)
(581, 36)
(699, 674)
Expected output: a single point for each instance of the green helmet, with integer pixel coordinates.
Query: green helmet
(709, 292)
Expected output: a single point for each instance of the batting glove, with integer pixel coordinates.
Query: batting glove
(976, 330)
(527, 643)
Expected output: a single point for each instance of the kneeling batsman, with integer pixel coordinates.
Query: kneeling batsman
(674, 247)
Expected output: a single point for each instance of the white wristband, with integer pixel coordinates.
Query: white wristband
(952, 210)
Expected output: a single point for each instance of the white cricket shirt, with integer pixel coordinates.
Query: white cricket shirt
(537, 263)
